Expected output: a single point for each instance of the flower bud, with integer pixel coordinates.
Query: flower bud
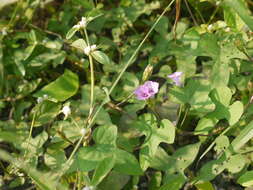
(147, 72)
(66, 111)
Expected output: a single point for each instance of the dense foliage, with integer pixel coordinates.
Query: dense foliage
(110, 95)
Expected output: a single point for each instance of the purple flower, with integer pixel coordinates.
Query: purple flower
(176, 77)
(147, 90)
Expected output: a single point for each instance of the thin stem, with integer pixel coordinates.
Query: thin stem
(91, 76)
(92, 84)
(30, 133)
(189, 10)
(214, 13)
(125, 100)
(179, 114)
(185, 114)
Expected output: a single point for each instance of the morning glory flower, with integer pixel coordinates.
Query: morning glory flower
(147, 90)
(176, 77)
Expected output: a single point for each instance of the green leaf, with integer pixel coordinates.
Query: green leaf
(155, 181)
(101, 57)
(245, 135)
(114, 181)
(194, 93)
(205, 186)
(79, 44)
(235, 112)
(103, 168)
(105, 134)
(147, 124)
(182, 158)
(221, 95)
(239, 7)
(232, 19)
(206, 124)
(213, 168)
(235, 163)
(89, 157)
(126, 163)
(45, 181)
(160, 161)
(208, 46)
(246, 180)
(222, 142)
(62, 88)
(71, 32)
(55, 159)
(218, 78)
(173, 181)
(45, 112)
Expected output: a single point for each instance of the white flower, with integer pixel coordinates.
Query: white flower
(41, 99)
(227, 29)
(87, 50)
(66, 111)
(88, 188)
(82, 24)
(4, 31)
(210, 27)
(83, 131)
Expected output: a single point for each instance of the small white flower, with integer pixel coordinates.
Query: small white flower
(251, 99)
(83, 23)
(217, 3)
(227, 29)
(4, 31)
(66, 111)
(88, 188)
(83, 131)
(87, 50)
(210, 27)
(41, 99)
(93, 47)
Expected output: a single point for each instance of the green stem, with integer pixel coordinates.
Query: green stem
(185, 114)
(214, 13)
(30, 133)
(91, 76)
(92, 85)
